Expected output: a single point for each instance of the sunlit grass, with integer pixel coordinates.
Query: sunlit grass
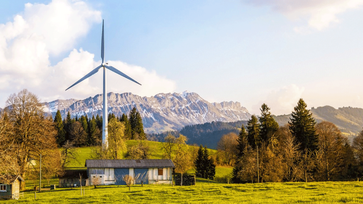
(314, 192)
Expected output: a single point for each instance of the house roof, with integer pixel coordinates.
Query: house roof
(126, 163)
(68, 174)
(12, 179)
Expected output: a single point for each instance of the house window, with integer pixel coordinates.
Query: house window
(2, 187)
(97, 171)
(160, 171)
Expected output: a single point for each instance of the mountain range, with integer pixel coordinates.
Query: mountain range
(189, 114)
(162, 112)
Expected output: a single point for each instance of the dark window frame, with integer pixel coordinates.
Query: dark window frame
(3, 188)
(160, 170)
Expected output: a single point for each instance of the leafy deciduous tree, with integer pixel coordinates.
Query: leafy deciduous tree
(182, 160)
(32, 132)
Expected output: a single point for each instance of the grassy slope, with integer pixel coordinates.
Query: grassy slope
(85, 153)
(314, 192)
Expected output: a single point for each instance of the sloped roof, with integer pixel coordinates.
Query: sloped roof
(68, 174)
(12, 178)
(126, 163)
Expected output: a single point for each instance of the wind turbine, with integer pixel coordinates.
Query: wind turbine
(104, 66)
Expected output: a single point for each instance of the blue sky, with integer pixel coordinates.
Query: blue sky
(253, 52)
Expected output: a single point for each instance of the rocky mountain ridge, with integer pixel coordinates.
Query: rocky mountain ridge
(162, 112)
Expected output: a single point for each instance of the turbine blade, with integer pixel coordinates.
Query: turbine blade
(103, 44)
(85, 77)
(120, 73)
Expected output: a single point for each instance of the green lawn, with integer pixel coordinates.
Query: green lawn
(85, 153)
(314, 192)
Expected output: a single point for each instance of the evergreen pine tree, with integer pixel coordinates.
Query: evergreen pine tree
(99, 122)
(67, 125)
(204, 166)
(137, 128)
(111, 116)
(241, 147)
(84, 123)
(93, 132)
(210, 168)
(199, 163)
(140, 127)
(128, 134)
(253, 129)
(132, 120)
(61, 133)
(302, 127)
(268, 125)
(242, 142)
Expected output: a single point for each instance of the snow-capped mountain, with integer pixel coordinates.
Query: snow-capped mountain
(162, 112)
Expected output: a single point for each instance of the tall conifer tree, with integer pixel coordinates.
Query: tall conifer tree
(61, 133)
(242, 142)
(93, 132)
(99, 122)
(302, 127)
(67, 125)
(199, 164)
(128, 134)
(137, 128)
(241, 148)
(268, 125)
(204, 166)
(210, 168)
(132, 119)
(84, 123)
(253, 128)
(140, 127)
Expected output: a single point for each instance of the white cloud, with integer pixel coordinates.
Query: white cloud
(43, 30)
(283, 100)
(320, 13)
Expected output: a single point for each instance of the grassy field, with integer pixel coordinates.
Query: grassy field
(205, 191)
(314, 192)
(84, 153)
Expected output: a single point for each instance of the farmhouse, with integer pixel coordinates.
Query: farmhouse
(11, 190)
(146, 171)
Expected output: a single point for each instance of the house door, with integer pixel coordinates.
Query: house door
(141, 175)
(119, 173)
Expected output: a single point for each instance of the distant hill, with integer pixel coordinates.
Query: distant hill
(206, 134)
(349, 120)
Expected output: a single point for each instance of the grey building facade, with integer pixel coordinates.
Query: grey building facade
(146, 171)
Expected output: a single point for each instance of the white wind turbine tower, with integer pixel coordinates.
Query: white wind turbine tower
(104, 66)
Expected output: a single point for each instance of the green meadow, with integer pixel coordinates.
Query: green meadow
(203, 192)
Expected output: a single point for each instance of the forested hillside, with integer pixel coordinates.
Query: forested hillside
(204, 134)
(348, 119)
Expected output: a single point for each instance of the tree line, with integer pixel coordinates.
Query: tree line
(302, 150)
(86, 131)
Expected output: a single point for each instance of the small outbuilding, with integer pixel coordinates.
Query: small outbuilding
(72, 178)
(11, 189)
(146, 171)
